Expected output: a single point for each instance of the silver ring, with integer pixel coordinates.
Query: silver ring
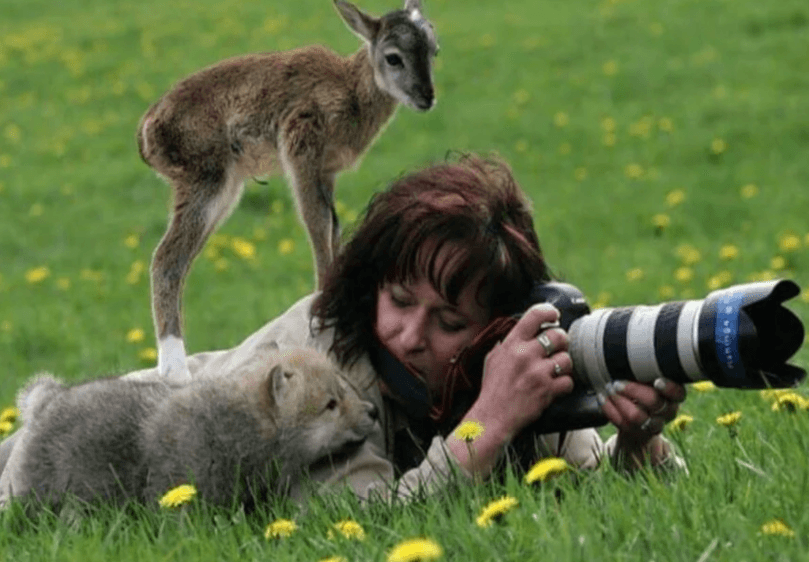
(661, 408)
(647, 425)
(557, 368)
(546, 344)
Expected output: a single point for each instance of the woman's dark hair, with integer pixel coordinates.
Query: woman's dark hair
(474, 205)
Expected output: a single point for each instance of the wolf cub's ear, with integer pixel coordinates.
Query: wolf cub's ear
(279, 383)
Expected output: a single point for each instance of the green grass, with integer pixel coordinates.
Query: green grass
(610, 113)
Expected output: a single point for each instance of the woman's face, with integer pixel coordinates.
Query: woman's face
(424, 331)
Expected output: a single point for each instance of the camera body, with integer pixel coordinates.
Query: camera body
(738, 337)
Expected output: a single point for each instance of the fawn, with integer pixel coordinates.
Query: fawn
(307, 112)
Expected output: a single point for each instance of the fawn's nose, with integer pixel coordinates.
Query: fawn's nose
(373, 411)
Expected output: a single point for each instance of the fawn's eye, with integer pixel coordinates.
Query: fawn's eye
(393, 59)
(332, 404)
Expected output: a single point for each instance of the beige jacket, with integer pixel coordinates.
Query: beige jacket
(370, 470)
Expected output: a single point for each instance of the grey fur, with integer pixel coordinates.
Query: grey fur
(237, 439)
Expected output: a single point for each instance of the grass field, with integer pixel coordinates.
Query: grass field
(664, 145)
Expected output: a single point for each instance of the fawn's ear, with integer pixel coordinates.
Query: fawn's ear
(364, 25)
(411, 6)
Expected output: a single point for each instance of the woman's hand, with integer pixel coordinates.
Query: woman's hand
(640, 412)
(522, 375)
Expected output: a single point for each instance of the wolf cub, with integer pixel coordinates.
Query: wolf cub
(236, 439)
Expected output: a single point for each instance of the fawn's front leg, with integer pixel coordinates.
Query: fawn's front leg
(193, 220)
(301, 150)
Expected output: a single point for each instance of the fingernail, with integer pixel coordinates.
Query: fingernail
(614, 387)
(546, 306)
(660, 384)
(600, 399)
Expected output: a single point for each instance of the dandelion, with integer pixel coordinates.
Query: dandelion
(718, 146)
(37, 274)
(675, 197)
(730, 419)
(178, 496)
(521, 96)
(703, 386)
(721, 279)
(665, 124)
(496, 510)
(749, 191)
(684, 274)
(608, 124)
(280, 529)
(221, 265)
(63, 283)
(580, 174)
(243, 248)
(610, 68)
(661, 221)
(147, 354)
(561, 119)
(91, 275)
(132, 241)
(286, 246)
(334, 559)
(609, 139)
(789, 243)
(633, 171)
(135, 335)
(634, 274)
(681, 422)
(790, 402)
(778, 528)
(469, 431)
(728, 252)
(135, 271)
(546, 469)
(666, 292)
(5, 428)
(349, 529)
(778, 263)
(414, 550)
(9, 414)
(688, 254)
(772, 394)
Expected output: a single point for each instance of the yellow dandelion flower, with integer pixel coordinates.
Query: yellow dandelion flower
(610, 68)
(221, 264)
(5, 428)
(675, 197)
(280, 529)
(778, 528)
(132, 241)
(521, 96)
(721, 279)
(684, 274)
(704, 386)
(718, 146)
(286, 246)
(778, 263)
(561, 119)
(790, 402)
(469, 431)
(730, 419)
(609, 139)
(178, 496)
(334, 559)
(243, 248)
(789, 243)
(728, 252)
(681, 422)
(148, 354)
(641, 128)
(91, 275)
(771, 394)
(414, 550)
(63, 283)
(608, 124)
(634, 274)
(9, 414)
(135, 335)
(633, 171)
(496, 510)
(580, 174)
(666, 292)
(349, 529)
(13, 133)
(749, 191)
(688, 254)
(661, 221)
(665, 124)
(37, 274)
(546, 469)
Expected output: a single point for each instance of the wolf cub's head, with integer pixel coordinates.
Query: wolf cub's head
(313, 401)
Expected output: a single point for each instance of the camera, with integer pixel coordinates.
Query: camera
(737, 337)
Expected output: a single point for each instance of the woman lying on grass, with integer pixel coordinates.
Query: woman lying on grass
(439, 255)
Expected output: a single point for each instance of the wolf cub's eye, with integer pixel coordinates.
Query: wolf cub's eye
(393, 59)
(332, 404)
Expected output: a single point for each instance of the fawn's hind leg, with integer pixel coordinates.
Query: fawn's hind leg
(301, 153)
(197, 212)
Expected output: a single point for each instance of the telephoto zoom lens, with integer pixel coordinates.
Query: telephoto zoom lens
(739, 337)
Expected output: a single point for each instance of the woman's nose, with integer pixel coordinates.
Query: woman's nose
(412, 335)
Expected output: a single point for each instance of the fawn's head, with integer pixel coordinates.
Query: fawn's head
(402, 46)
